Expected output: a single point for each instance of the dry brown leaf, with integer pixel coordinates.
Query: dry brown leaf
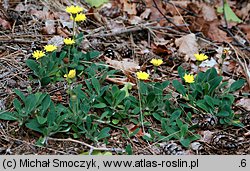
(49, 27)
(206, 136)
(146, 13)
(244, 12)
(39, 14)
(246, 29)
(217, 34)
(62, 32)
(5, 24)
(124, 65)
(208, 12)
(244, 102)
(188, 46)
(129, 7)
(134, 20)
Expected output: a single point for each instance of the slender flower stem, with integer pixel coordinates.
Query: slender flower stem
(74, 29)
(140, 105)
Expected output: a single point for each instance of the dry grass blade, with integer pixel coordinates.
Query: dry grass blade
(242, 61)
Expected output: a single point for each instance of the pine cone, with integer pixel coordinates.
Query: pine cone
(223, 140)
(171, 148)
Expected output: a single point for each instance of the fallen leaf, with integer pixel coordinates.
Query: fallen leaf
(188, 46)
(124, 65)
(42, 15)
(146, 13)
(208, 63)
(208, 12)
(244, 12)
(5, 24)
(217, 34)
(206, 136)
(96, 3)
(244, 102)
(133, 127)
(129, 7)
(49, 27)
(246, 29)
(134, 20)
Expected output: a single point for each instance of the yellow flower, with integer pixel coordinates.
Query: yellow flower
(50, 48)
(79, 17)
(156, 62)
(38, 54)
(71, 74)
(200, 57)
(74, 9)
(68, 41)
(142, 75)
(189, 78)
(226, 51)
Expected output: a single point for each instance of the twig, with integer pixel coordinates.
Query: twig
(134, 29)
(88, 145)
(28, 143)
(166, 17)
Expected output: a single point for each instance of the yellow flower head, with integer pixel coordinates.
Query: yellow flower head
(79, 17)
(156, 62)
(226, 51)
(189, 78)
(142, 75)
(50, 48)
(38, 54)
(200, 57)
(73, 9)
(71, 74)
(68, 41)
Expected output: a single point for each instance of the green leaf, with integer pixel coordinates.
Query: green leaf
(100, 105)
(33, 65)
(45, 81)
(209, 100)
(52, 114)
(119, 97)
(181, 72)
(179, 87)
(17, 104)
(103, 133)
(93, 54)
(214, 83)
(135, 132)
(175, 115)
(96, 84)
(229, 14)
(115, 121)
(128, 149)
(223, 113)
(30, 103)
(41, 120)
(45, 104)
(157, 116)
(236, 85)
(7, 116)
(150, 97)
(34, 125)
(20, 94)
(96, 3)
(185, 142)
(184, 129)
(201, 104)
